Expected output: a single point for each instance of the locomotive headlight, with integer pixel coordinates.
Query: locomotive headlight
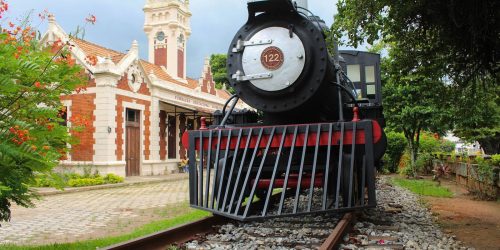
(273, 65)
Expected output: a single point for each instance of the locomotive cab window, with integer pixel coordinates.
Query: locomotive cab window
(370, 82)
(354, 72)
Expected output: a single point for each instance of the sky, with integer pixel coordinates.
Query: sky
(119, 22)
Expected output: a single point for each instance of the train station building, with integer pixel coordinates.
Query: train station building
(138, 109)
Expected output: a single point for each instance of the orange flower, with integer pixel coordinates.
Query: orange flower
(46, 147)
(34, 148)
(38, 85)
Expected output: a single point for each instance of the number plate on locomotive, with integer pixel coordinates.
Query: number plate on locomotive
(272, 58)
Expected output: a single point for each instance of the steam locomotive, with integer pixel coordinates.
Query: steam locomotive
(317, 136)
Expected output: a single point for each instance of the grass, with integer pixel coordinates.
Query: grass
(423, 187)
(107, 241)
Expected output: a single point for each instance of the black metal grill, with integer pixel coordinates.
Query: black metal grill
(316, 167)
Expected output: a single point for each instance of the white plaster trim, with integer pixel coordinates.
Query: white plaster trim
(68, 104)
(160, 162)
(92, 163)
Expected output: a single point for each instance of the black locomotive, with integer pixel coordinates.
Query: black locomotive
(319, 134)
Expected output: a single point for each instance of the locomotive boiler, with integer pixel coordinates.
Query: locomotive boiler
(318, 135)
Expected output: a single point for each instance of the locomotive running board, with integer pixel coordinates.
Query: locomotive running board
(326, 167)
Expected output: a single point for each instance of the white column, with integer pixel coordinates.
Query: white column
(172, 53)
(155, 130)
(105, 120)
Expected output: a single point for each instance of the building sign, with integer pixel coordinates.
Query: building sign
(196, 102)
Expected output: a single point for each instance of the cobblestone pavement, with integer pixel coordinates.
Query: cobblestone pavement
(74, 215)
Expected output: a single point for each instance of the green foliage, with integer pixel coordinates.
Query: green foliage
(459, 37)
(447, 146)
(495, 160)
(477, 112)
(219, 71)
(428, 143)
(396, 144)
(413, 99)
(75, 180)
(484, 170)
(32, 139)
(452, 43)
(423, 187)
(424, 163)
(112, 178)
(86, 182)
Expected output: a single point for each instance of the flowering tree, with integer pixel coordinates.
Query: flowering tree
(33, 134)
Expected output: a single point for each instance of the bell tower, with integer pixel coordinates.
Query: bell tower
(167, 27)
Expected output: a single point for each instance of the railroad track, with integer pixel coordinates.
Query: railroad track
(215, 232)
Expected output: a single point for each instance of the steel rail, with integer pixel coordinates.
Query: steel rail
(174, 236)
(182, 234)
(343, 226)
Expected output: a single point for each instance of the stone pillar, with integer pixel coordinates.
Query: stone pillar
(105, 123)
(155, 130)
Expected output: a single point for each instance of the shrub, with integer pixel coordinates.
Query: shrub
(424, 162)
(484, 170)
(396, 144)
(495, 160)
(58, 180)
(43, 181)
(113, 178)
(404, 164)
(428, 143)
(86, 182)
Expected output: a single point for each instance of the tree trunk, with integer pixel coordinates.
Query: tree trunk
(490, 145)
(413, 157)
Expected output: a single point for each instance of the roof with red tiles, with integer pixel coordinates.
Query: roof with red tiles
(97, 50)
(90, 48)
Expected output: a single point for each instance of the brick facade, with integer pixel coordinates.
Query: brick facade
(182, 128)
(163, 90)
(82, 105)
(208, 84)
(180, 63)
(123, 85)
(163, 134)
(161, 57)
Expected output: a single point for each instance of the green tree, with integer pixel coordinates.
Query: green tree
(461, 37)
(219, 71)
(33, 137)
(477, 113)
(414, 98)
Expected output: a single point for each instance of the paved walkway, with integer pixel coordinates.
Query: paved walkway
(76, 214)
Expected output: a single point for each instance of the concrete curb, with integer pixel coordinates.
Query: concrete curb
(105, 186)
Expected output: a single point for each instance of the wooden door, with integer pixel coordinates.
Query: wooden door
(172, 138)
(133, 143)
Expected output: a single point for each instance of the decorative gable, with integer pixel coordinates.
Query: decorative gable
(207, 81)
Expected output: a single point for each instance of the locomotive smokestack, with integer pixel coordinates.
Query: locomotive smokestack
(301, 4)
